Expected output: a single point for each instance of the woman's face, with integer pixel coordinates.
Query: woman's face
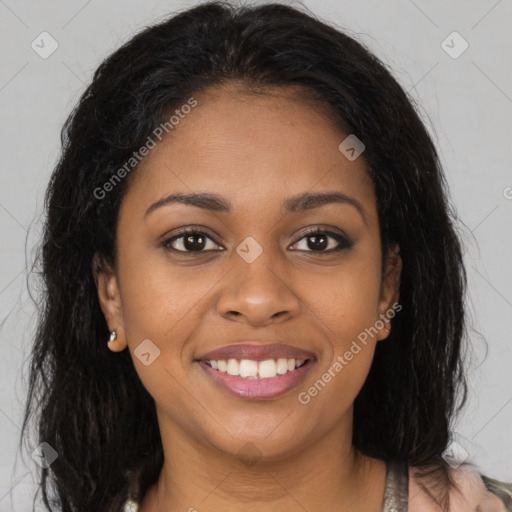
(255, 277)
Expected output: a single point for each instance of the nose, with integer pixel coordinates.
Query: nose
(258, 293)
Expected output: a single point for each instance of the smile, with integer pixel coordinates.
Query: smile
(251, 369)
(250, 379)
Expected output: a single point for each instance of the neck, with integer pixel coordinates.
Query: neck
(328, 475)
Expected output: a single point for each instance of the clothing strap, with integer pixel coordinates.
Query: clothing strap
(396, 495)
(500, 489)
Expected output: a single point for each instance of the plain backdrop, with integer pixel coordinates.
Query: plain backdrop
(465, 97)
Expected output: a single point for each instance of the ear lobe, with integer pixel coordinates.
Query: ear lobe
(390, 289)
(110, 300)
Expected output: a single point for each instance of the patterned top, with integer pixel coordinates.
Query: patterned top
(494, 496)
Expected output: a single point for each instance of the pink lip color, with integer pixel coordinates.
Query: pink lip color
(258, 389)
(257, 351)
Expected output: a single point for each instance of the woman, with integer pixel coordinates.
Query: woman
(250, 211)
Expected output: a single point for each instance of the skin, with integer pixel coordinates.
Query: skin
(255, 151)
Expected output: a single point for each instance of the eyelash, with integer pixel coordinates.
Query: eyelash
(343, 242)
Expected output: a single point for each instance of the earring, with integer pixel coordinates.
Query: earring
(113, 336)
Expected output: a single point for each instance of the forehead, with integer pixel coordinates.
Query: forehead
(252, 147)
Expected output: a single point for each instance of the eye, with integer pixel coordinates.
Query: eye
(315, 240)
(190, 240)
(323, 241)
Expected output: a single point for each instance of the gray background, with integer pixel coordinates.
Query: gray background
(465, 101)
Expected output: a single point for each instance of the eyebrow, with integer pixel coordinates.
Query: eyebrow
(298, 203)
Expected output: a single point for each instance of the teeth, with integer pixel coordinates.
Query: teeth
(282, 366)
(233, 367)
(267, 369)
(249, 369)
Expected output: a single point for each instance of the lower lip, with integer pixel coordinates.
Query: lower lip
(258, 389)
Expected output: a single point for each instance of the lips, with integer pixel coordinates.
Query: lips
(258, 389)
(257, 352)
(290, 366)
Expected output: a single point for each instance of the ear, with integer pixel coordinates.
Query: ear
(110, 300)
(390, 292)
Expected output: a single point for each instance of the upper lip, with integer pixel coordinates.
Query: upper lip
(256, 351)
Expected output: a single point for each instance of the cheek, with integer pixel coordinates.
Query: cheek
(346, 300)
(165, 304)
(157, 297)
(347, 308)
(160, 305)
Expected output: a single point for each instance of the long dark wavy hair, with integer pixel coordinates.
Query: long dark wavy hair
(90, 405)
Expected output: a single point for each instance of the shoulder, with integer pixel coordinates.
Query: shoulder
(471, 492)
